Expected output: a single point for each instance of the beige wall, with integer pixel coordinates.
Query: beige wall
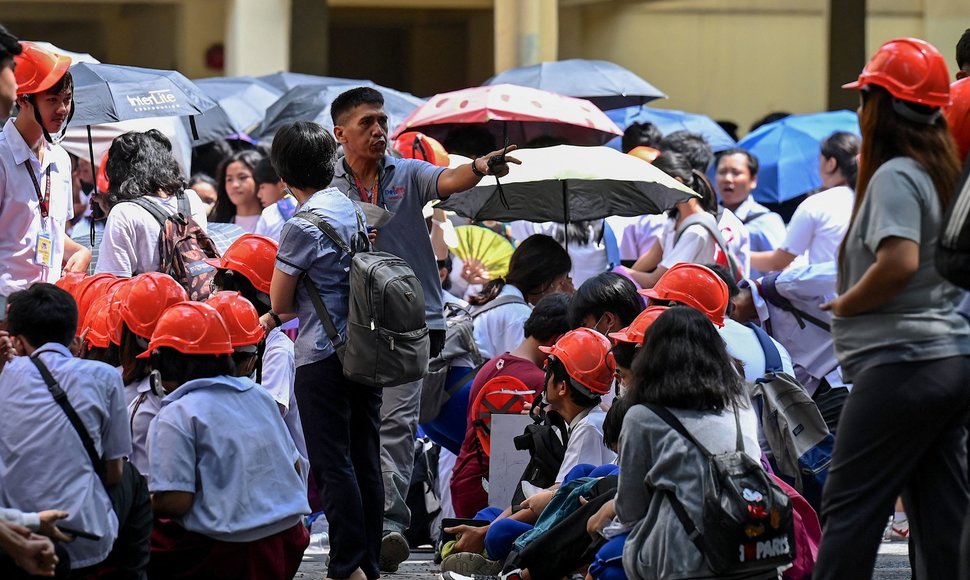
(741, 59)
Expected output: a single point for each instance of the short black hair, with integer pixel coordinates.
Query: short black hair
(182, 368)
(732, 284)
(41, 314)
(200, 177)
(613, 422)
(605, 292)
(624, 353)
(641, 134)
(232, 281)
(963, 49)
(304, 154)
(677, 165)
(691, 145)
(64, 85)
(684, 364)
(548, 318)
(265, 173)
(577, 394)
(753, 164)
(347, 101)
(9, 45)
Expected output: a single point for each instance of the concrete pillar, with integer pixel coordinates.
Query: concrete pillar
(526, 32)
(310, 37)
(257, 37)
(847, 50)
(945, 22)
(196, 34)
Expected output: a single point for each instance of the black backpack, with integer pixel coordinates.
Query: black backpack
(546, 441)
(748, 525)
(953, 246)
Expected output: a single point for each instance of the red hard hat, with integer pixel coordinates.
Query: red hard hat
(96, 330)
(88, 289)
(693, 285)
(145, 299)
(191, 328)
(240, 317)
(102, 179)
(252, 256)
(415, 145)
(586, 355)
(37, 69)
(69, 281)
(910, 69)
(958, 115)
(648, 154)
(638, 328)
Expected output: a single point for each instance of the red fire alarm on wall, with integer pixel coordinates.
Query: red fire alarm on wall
(215, 56)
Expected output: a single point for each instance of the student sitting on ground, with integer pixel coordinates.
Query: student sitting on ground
(223, 466)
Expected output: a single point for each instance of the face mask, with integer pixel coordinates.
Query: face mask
(596, 326)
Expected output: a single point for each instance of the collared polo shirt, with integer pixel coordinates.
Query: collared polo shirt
(223, 439)
(43, 464)
(406, 186)
(304, 249)
(20, 218)
(765, 228)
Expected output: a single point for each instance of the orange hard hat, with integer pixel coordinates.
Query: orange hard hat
(648, 154)
(240, 317)
(69, 281)
(144, 300)
(638, 328)
(191, 328)
(102, 179)
(252, 256)
(415, 145)
(693, 285)
(88, 289)
(96, 330)
(38, 69)
(910, 69)
(958, 115)
(586, 356)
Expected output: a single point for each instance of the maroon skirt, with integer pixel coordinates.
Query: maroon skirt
(179, 553)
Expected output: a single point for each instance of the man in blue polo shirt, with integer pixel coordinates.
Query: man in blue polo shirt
(367, 174)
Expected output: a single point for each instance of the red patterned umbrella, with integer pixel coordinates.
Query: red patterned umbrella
(519, 114)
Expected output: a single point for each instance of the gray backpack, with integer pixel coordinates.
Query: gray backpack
(387, 340)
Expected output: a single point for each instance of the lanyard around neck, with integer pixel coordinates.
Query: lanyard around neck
(43, 200)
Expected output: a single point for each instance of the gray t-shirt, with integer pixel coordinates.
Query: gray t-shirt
(406, 185)
(921, 321)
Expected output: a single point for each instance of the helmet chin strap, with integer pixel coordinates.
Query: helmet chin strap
(47, 136)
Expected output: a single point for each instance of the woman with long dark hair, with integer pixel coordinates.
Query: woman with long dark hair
(539, 266)
(819, 223)
(237, 201)
(897, 332)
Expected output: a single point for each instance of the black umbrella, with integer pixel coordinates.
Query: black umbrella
(241, 104)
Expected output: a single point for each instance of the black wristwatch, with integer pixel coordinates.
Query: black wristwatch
(475, 168)
(276, 319)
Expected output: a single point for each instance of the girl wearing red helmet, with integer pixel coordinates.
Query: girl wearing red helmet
(897, 332)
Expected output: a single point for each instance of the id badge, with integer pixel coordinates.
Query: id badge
(44, 250)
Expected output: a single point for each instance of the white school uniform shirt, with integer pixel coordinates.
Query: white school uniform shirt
(737, 239)
(766, 231)
(588, 259)
(278, 375)
(42, 460)
(270, 223)
(141, 410)
(585, 443)
(502, 329)
(223, 440)
(637, 235)
(742, 343)
(130, 243)
(20, 219)
(811, 348)
(695, 245)
(819, 224)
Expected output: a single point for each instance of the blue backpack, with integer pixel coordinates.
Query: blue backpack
(793, 426)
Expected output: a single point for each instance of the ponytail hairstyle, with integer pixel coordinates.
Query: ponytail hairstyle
(535, 265)
(844, 148)
(678, 166)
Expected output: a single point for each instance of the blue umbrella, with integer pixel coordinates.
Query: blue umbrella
(788, 151)
(605, 84)
(668, 121)
(241, 104)
(285, 81)
(106, 93)
(312, 103)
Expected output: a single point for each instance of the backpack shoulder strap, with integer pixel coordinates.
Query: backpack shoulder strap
(769, 291)
(753, 216)
(709, 223)
(184, 207)
(326, 228)
(60, 397)
(497, 302)
(675, 424)
(153, 208)
(772, 356)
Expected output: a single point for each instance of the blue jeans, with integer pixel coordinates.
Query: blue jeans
(608, 564)
(501, 534)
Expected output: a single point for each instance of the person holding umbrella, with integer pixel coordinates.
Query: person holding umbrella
(402, 187)
(35, 177)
